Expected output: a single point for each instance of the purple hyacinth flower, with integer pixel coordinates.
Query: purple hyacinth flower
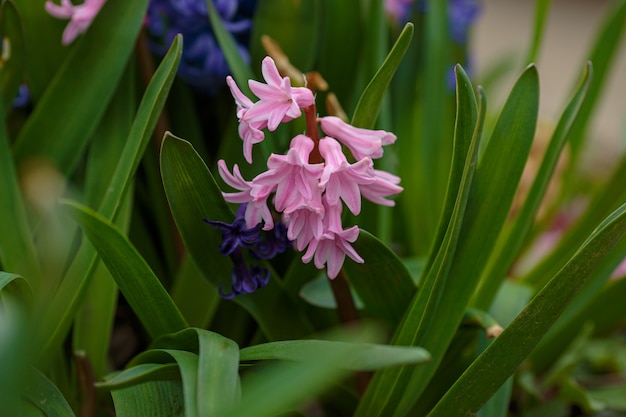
(236, 234)
(244, 280)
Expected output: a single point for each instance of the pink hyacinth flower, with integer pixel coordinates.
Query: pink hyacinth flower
(340, 179)
(304, 224)
(363, 143)
(383, 185)
(333, 246)
(257, 210)
(80, 16)
(278, 101)
(296, 181)
(250, 133)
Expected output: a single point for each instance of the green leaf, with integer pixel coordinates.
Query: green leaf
(193, 195)
(601, 55)
(69, 111)
(216, 383)
(382, 282)
(506, 353)
(542, 7)
(166, 400)
(371, 100)
(41, 393)
(141, 288)
(60, 312)
(365, 357)
(511, 240)
(139, 374)
(282, 386)
(387, 387)
(15, 286)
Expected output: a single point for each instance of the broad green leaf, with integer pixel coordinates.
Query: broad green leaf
(141, 288)
(69, 111)
(365, 357)
(193, 196)
(13, 56)
(602, 56)
(386, 388)
(41, 393)
(319, 293)
(14, 344)
(139, 374)
(61, 310)
(542, 7)
(512, 238)
(506, 353)
(371, 100)
(382, 282)
(294, 25)
(281, 386)
(17, 250)
(166, 400)
(217, 363)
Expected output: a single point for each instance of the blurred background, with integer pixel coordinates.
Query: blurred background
(503, 32)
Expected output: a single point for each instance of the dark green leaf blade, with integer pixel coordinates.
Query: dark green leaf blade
(371, 100)
(143, 290)
(365, 357)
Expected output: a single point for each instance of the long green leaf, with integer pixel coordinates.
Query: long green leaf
(60, 312)
(139, 374)
(68, 113)
(506, 353)
(15, 286)
(141, 288)
(386, 388)
(542, 7)
(512, 239)
(602, 56)
(371, 100)
(366, 357)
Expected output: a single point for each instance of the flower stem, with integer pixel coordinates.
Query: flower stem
(348, 315)
(310, 114)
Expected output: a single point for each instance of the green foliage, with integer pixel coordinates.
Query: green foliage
(433, 323)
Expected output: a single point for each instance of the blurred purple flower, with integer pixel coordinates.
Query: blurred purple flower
(203, 65)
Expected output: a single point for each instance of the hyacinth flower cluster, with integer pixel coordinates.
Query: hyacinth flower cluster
(203, 65)
(309, 185)
(80, 16)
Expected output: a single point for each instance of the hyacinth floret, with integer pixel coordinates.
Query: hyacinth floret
(309, 184)
(80, 16)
